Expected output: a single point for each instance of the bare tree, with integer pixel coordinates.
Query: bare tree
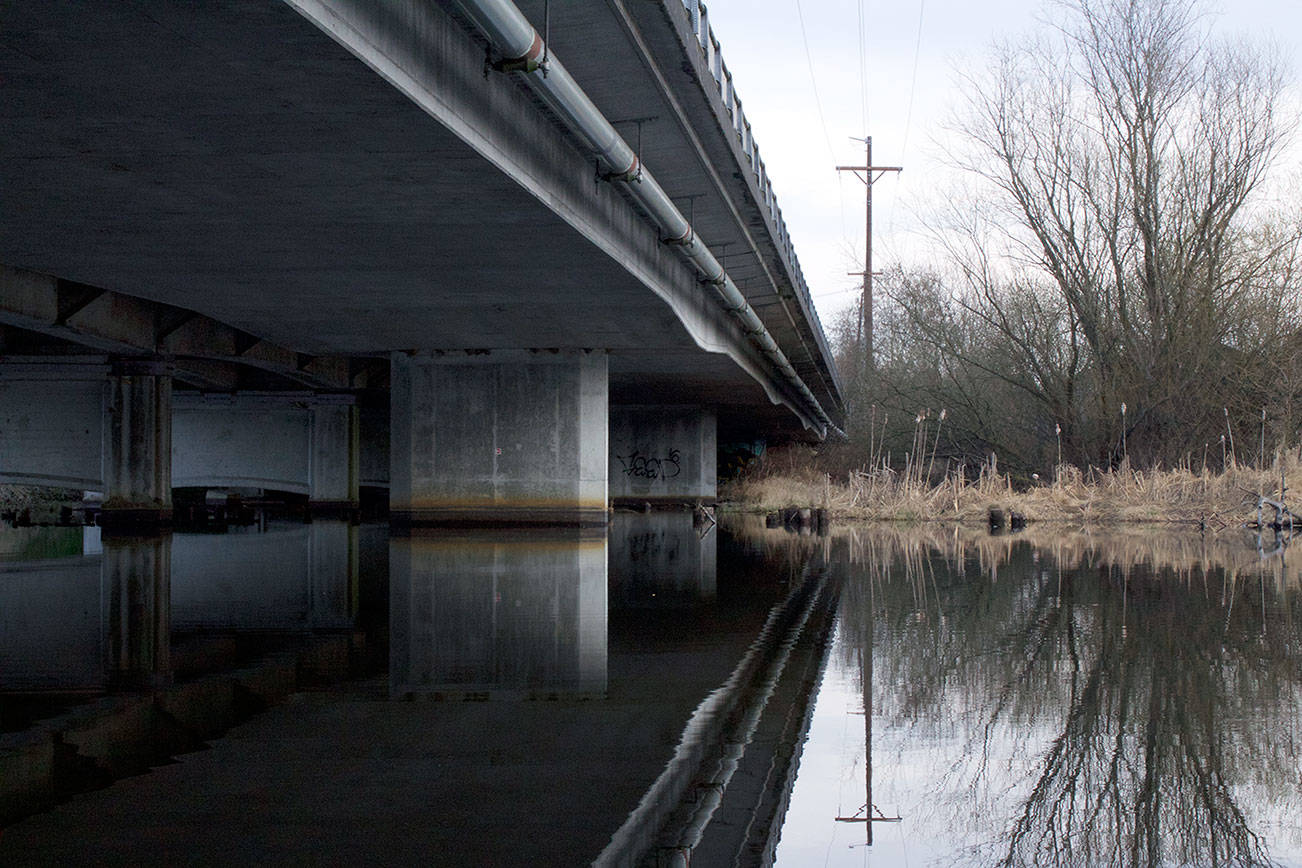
(1117, 252)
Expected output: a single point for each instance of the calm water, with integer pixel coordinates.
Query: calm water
(666, 689)
(1088, 701)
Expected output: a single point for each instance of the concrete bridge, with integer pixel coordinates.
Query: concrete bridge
(508, 260)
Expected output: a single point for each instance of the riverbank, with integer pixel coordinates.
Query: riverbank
(1214, 499)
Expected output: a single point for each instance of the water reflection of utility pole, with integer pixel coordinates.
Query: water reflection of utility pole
(871, 814)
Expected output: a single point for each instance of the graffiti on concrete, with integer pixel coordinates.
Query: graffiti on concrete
(640, 466)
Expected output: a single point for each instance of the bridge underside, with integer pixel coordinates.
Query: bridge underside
(225, 188)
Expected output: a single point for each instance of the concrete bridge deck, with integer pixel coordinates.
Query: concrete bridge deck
(249, 190)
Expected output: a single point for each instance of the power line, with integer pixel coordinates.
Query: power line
(913, 83)
(908, 117)
(813, 79)
(818, 103)
(837, 291)
(863, 67)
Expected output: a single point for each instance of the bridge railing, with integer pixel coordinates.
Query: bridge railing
(699, 16)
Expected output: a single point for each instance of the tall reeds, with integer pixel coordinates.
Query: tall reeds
(918, 491)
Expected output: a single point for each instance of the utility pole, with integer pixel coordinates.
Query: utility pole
(871, 174)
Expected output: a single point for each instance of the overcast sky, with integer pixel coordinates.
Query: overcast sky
(762, 45)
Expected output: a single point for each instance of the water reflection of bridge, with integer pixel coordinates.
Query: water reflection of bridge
(695, 672)
(691, 682)
(469, 611)
(106, 614)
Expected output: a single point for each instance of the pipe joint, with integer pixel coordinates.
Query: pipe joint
(631, 175)
(531, 61)
(682, 240)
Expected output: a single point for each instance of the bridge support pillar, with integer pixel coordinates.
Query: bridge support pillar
(138, 446)
(334, 474)
(663, 455)
(508, 437)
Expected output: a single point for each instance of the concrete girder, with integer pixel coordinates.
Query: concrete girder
(501, 122)
(54, 421)
(711, 127)
(118, 324)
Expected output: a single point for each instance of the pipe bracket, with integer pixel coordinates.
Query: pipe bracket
(520, 64)
(630, 177)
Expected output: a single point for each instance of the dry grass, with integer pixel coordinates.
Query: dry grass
(1218, 499)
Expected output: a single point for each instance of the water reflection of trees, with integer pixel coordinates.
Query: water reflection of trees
(1135, 713)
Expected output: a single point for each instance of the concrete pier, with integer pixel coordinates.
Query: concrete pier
(663, 455)
(507, 437)
(334, 473)
(138, 447)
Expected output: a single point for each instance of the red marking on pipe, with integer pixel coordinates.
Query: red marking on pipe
(535, 51)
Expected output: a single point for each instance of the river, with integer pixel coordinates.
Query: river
(664, 692)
